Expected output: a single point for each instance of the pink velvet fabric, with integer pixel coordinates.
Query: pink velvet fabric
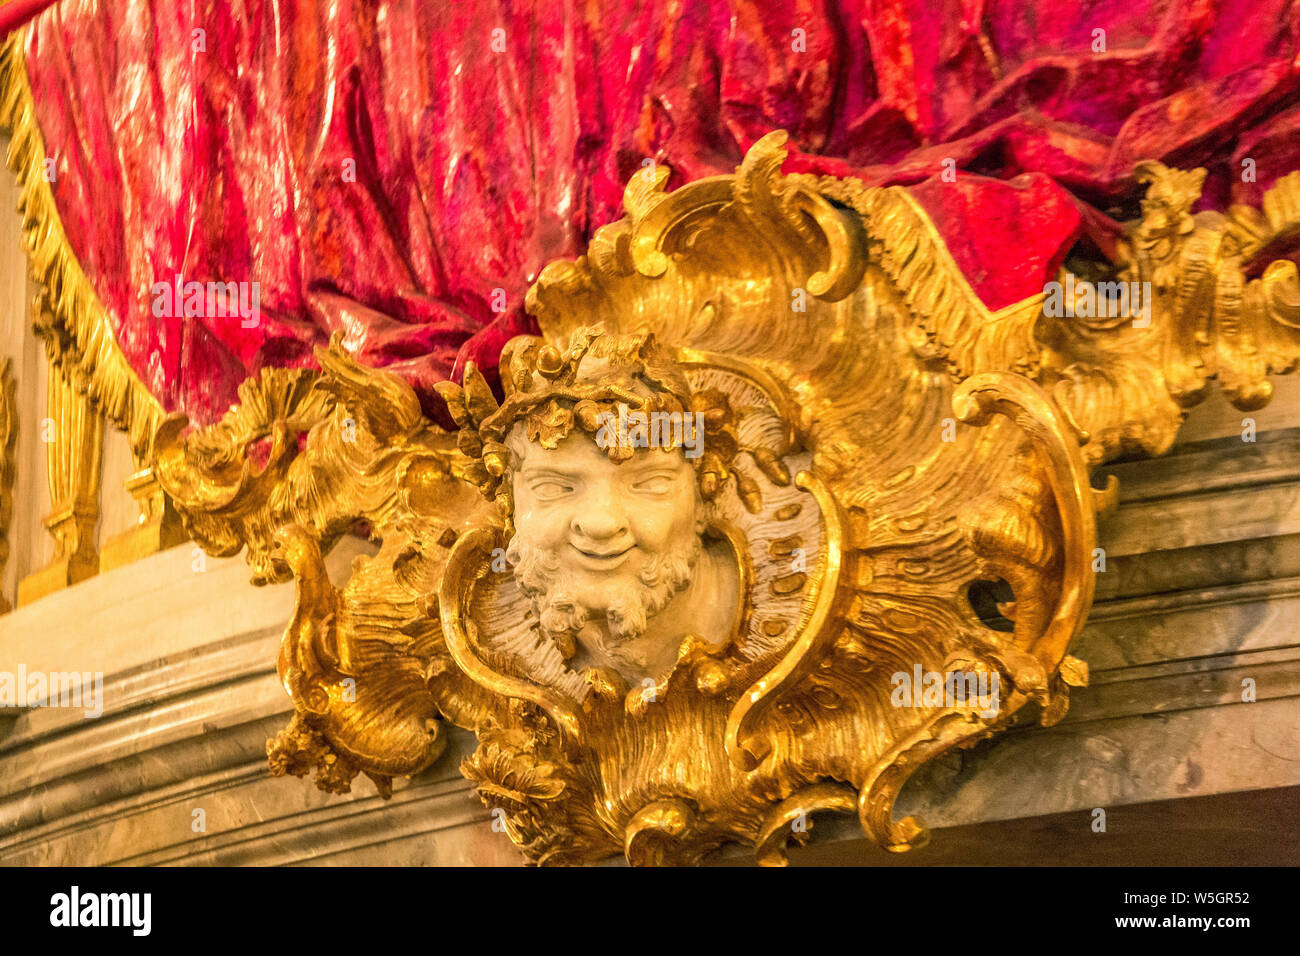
(403, 170)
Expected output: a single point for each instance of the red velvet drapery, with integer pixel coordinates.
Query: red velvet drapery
(386, 167)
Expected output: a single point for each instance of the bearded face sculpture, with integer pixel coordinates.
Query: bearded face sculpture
(604, 548)
(610, 538)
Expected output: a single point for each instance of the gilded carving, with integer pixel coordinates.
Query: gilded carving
(765, 446)
(74, 454)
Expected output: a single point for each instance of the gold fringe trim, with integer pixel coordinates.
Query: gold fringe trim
(68, 314)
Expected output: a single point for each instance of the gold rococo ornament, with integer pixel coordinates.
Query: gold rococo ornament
(707, 567)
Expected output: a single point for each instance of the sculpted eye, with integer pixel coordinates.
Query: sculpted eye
(551, 489)
(654, 485)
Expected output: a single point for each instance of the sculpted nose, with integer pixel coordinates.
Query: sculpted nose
(600, 520)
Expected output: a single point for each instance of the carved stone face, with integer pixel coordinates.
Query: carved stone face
(600, 542)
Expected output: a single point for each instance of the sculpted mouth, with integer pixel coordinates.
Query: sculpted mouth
(603, 559)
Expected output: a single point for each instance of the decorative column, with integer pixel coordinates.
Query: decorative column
(74, 435)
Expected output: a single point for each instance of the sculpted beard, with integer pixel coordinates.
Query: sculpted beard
(561, 609)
